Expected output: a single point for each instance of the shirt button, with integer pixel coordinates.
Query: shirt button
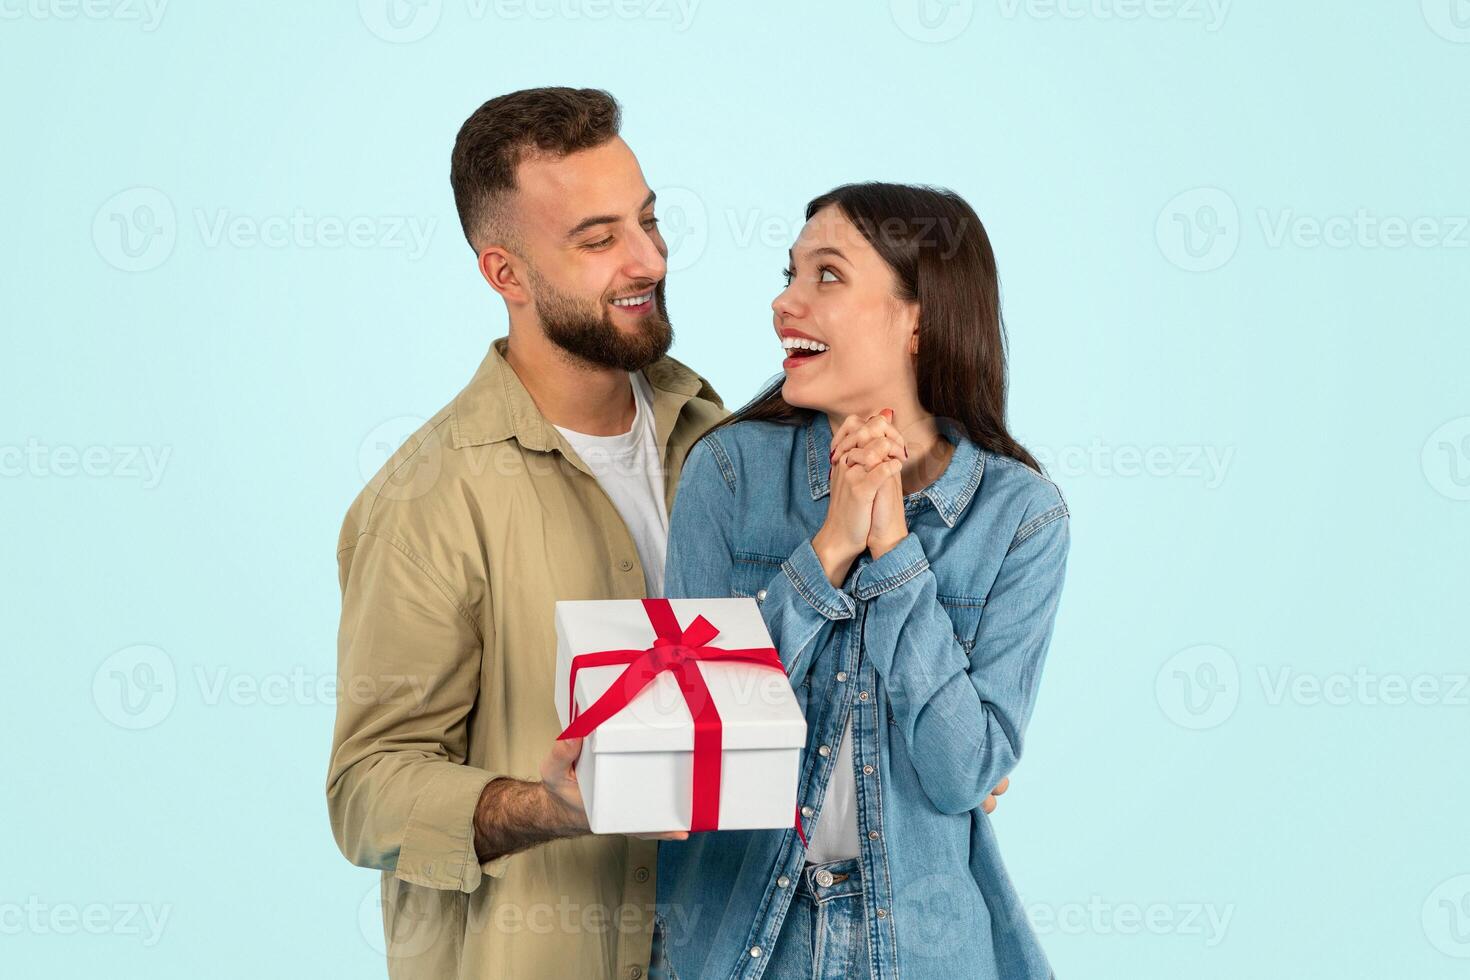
(625, 564)
(760, 595)
(862, 695)
(806, 811)
(783, 881)
(755, 951)
(635, 972)
(842, 675)
(867, 770)
(825, 750)
(641, 874)
(824, 878)
(872, 835)
(882, 913)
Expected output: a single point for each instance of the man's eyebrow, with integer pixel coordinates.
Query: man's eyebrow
(821, 250)
(607, 219)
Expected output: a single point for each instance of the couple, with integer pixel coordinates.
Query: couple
(905, 553)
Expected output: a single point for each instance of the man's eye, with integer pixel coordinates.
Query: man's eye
(650, 222)
(602, 244)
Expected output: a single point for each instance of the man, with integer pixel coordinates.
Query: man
(550, 476)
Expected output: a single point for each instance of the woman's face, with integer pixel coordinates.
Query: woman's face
(840, 294)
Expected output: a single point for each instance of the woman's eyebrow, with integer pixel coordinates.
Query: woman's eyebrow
(820, 250)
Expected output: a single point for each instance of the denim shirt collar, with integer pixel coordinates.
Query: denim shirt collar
(949, 494)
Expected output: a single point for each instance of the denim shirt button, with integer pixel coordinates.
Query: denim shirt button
(882, 913)
(872, 835)
(806, 811)
(862, 695)
(867, 770)
(755, 951)
(783, 881)
(841, 675)
(824, 750)
(760, 595)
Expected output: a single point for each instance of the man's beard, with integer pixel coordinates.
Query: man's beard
(580, 331)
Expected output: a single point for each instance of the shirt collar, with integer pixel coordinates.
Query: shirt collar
(495, 405)
(950, 494)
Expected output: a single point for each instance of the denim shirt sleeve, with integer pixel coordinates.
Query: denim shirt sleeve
(798, 601)
(962, 718)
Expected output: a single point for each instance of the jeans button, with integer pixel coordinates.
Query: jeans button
(824, 878)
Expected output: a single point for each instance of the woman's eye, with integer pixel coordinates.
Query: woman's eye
(827, 271)
(787, 275)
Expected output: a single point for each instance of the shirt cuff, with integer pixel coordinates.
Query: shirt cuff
(902, 563)
(809, 578)
(438, 848)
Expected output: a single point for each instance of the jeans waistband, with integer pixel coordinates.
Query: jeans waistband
(835, 879)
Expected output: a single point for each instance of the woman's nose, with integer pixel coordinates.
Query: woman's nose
(785, 304)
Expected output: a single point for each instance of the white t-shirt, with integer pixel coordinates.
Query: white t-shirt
(835, 837)
(628, 468)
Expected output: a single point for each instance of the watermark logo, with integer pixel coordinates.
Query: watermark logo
(1198, 687)
(136, 687)
(1446, 917)
(38, 917)
(1450, 19)
(408, 931)
(147, 14)
(1210, 13)
(135, 230)
(39, 460)
(932, 21)
(417, 471)
(400, 21)
(1199, 230)
(684, 223)
(1098, 916)
(1446, 459)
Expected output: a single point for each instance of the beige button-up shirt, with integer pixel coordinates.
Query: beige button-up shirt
(450, 561)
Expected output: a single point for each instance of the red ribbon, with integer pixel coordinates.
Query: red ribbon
(675, 650)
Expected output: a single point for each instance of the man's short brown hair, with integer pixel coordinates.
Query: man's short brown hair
(498, 135)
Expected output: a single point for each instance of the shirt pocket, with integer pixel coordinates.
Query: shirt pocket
(752, 574)
(964, 615)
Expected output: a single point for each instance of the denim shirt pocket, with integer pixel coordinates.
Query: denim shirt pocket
(752, 573)
(964, 613)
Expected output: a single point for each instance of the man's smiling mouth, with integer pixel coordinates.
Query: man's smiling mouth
(634, 302)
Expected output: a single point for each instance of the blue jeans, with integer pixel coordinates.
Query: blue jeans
(824, 936)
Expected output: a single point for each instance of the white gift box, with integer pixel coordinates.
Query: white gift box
(636, 768)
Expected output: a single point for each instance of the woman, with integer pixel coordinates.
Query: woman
(907, 557)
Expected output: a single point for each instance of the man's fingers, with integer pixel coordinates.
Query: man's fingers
(565, 751)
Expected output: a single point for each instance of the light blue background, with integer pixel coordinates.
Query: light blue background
(1133, 165)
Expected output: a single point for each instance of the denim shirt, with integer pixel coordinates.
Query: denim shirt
(934, 650)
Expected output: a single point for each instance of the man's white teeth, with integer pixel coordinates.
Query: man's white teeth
(633, 300)
(801, 343)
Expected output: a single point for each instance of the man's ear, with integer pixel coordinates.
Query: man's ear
(503, 271)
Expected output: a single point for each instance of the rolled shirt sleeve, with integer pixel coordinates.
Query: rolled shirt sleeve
(399, 793)
(963, 717)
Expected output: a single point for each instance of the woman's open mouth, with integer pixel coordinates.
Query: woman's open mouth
(637, 305)
(801, 350)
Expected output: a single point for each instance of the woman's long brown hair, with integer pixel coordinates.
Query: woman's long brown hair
(940, 256)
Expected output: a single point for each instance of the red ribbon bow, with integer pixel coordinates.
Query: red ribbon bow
(675, 650)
